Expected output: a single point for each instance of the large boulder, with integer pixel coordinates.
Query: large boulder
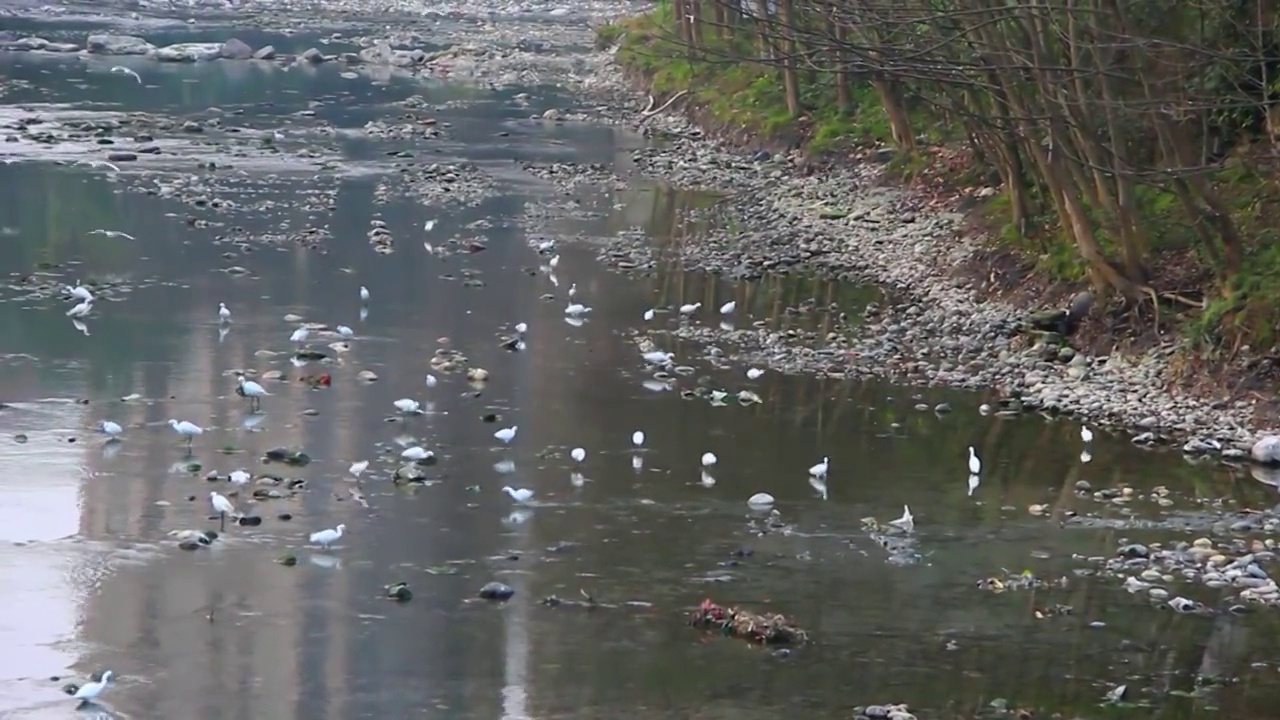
(236, 49)
(266, 52)
(188, 52)
(104, 44)
(1267, 450)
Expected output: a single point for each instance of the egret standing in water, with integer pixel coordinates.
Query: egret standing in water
(820, 470)
(728, 308)
(506, 435)
(80, 292)
(709, 459)
(690, 308)
(325, 538)
(907, 521)
(300, 336)
(520, 495)
(578, 454)
(188, 430)
(637, 438)
(222, 506)
(253, 391)
(111, 429)
(1086, 435)
(975, 465)
(364, 294)
(224, 315)
(90, 691)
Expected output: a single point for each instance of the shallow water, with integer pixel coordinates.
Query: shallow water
(91, 582)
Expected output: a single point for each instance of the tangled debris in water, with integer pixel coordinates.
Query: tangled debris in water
(767, 629)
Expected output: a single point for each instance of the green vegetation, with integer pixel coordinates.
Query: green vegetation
(1132, 143)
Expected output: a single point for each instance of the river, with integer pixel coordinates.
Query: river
(92, 582)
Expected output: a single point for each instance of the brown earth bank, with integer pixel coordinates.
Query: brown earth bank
(969, 311)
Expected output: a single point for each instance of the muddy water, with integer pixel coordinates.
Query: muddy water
(90, 582)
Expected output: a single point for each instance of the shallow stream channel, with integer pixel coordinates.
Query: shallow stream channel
(1065, 579)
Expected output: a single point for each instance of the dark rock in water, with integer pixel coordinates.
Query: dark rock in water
(266, 52)
(71, 688)
(496, 591)
(399, 592)
(761, 156)
(250, 521)
(310, 355)
(287, 456)
(284, 516)
(1136, 550)
(121, 156)
(189, 544)
(236, 49)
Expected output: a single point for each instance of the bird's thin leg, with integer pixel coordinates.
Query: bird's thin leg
(222, 522)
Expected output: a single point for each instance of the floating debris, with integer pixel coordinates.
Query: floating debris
(766, 629)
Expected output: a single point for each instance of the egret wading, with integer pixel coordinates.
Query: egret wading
(222, 506)
(188, 430)
(253, 391)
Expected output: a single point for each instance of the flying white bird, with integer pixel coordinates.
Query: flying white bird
(709, 459)
(578, 454)
(325, 538)
(88, 692)
(102, 231)
(122, 70)
(975, 465)
(364, 294)
(110, 429)
(253, 391)
(224, 314)
(820, 470)
(518, 494)
(81, 310)
(906, 522)
(408, 406)
(239, 477)
(188, 430)
(506, 435)
(728, 308)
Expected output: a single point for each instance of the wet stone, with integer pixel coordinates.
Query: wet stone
(496, 591)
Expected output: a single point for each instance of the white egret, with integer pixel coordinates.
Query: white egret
(820, 470)
(431, 380)
(111, 429)
(90, 691)
(518, 494)
(417, 454)
(637, 438)
(80, 292)
(239, 477)
(188, 430)
(345, 332)
(1086, 435)
(709, 459)
(224, 315)
(429, 225)
(364, 294)
(253, 391)
(648, 314)
(506, 435)
(122, 70)
(325, 538)
(576, 310)
(657, 357)
(408, 406)
(975, 465)
(358, 467)
(760, 499)
(573, 290)
(690, 308)
(84, 308)
(906, 522)
(522, 328)
(553, 262)
(300, 335)
(754, 373)
(728, 308)
(222, 506)
(578, 454)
